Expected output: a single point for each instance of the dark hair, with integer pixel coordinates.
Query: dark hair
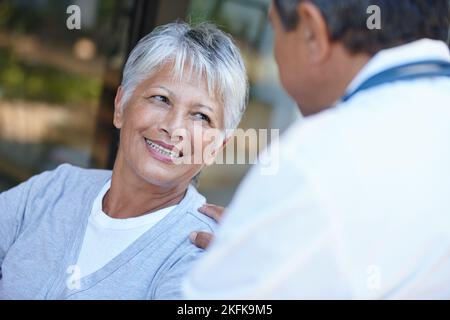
(402, 21)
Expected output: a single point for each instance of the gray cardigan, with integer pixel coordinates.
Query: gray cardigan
(42, 225)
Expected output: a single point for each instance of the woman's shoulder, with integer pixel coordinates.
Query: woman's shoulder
(67, 173)
(64, 177)
(85, 173)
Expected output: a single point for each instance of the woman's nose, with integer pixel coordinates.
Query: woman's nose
(174, 127)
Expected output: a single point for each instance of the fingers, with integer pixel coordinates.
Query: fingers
(201, 239)
(212, 211)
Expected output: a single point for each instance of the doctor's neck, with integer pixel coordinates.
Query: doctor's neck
(329, 81)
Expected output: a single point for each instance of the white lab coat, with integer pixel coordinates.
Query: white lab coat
(359, 207)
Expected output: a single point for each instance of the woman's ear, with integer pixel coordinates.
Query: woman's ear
(223, 145)
(314, 32)
(118, 109)
(225, 142)
(213, 151)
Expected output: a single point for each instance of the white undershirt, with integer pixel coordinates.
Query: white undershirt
(106, 237)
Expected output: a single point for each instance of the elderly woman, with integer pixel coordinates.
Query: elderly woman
(74, 233)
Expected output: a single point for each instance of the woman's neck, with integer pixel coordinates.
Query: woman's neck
(131, 196)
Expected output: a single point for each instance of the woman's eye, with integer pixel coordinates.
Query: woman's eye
(203, 117)
(160, 98)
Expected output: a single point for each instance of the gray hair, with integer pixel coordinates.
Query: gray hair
(347, 21)
(204, 51)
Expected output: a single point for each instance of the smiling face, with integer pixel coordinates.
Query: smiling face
(159, 127)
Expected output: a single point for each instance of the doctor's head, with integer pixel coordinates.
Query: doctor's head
(183, 89)
(320, 45)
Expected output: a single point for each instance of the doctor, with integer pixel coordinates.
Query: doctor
(360, 208)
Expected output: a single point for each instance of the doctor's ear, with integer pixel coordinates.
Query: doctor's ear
(313, 32)
(118, 108)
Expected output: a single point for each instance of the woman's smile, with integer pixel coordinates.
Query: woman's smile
(162, 151)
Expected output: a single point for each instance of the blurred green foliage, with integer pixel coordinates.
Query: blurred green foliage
(20, 80)
(25, 80)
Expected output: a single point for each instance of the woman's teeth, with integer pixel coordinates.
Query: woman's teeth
(162, 150)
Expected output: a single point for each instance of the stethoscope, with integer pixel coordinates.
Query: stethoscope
(405, 72)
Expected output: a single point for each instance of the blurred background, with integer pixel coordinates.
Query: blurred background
(57, 86)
